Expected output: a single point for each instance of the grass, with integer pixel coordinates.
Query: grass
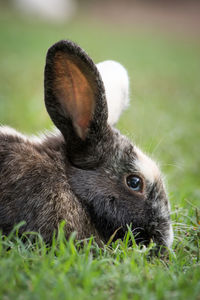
(163, 119)
(71, 270)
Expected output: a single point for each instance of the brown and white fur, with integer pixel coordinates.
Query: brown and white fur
(80, 174)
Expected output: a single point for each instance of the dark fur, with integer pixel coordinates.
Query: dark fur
(79, 180)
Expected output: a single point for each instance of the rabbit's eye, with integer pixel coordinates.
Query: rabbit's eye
(134, 183)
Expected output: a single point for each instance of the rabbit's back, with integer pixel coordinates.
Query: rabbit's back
(34, 186)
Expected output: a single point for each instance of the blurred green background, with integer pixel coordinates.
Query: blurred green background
(163, 62)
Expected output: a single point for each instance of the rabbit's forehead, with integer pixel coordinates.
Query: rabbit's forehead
(146, 166)
(133, 159)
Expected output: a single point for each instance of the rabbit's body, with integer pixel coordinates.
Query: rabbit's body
(89, 174)
(31, 191)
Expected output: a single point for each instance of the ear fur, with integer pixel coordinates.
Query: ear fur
(75, 100)
(74, 91)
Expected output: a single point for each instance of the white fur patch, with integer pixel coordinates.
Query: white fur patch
(146, 166)
(10, 131)
(37, 139)
(116, 82)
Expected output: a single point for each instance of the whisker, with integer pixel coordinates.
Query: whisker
(140, 228)
(153, 137)
(158, 145)
(180, 167)
(162, 237)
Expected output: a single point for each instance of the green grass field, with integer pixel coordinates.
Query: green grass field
(163, 119)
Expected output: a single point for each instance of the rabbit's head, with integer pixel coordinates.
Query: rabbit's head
(115, 181)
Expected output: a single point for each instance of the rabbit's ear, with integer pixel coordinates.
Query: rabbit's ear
(116, 82)
(74, 92)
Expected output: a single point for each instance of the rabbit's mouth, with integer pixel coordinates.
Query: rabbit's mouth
(161, 235)
(144, 237)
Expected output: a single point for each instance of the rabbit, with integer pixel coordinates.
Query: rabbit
(87, 173)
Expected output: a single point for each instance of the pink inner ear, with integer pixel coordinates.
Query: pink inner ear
(74, 91)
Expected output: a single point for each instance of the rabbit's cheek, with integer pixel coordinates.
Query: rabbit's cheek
(159, 218)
